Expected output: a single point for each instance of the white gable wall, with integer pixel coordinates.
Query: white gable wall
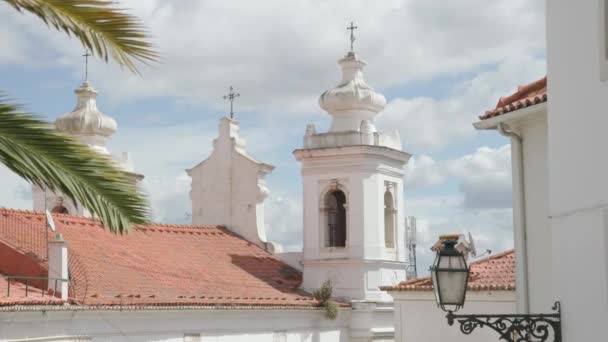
(228, 188)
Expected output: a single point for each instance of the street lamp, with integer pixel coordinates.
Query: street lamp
(450, 276)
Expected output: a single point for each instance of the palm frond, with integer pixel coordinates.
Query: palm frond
(45, 157)
(103, 28)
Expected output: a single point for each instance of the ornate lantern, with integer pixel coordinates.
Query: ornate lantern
(450, 275)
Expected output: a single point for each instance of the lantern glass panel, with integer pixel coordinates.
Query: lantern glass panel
(452, 279)
(434, 278)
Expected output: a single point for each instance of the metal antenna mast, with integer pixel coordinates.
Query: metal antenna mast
(411, 271)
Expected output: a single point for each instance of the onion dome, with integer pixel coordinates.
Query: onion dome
(352, 100)
(86, 119)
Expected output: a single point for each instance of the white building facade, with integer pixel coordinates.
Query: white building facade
(64, 324)
(577, 61)
(559, 171)
(524, 121)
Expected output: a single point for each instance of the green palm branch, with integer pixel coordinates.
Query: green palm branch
(45, 157)
(40, 154)
(104, 29)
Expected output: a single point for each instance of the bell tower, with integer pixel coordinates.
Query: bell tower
(354, 232)
(89, 126)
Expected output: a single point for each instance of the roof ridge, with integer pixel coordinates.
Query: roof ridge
(177, 225)
(522, 92)
(526, 95)
(20, 211)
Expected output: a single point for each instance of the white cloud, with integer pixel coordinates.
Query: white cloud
(282, 57)
(169, 198)
(483, 177)
(429, 124)
(422, 171)
(482, 207)
(283, 215)
(16, 193)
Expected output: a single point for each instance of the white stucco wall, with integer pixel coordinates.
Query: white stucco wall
(168, 325)
(533, 131)
(578, 166)
(418, 319)
(531, 125)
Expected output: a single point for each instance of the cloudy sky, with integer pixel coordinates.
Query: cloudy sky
(439, 63)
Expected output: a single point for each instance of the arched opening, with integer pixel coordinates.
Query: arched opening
(335, 202)
(60, 210)
(389, 220)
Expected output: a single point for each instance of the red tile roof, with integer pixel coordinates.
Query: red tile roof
(525, 96)
(163, 265)
(495, 273)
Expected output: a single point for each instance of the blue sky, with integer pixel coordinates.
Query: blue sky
(439, 63)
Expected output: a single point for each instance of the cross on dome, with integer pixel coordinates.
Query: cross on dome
(352, 29)
(230, 97)
(86, 64)
(352, 100)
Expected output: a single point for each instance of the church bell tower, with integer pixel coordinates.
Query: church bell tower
(354, 232)
(90, 127)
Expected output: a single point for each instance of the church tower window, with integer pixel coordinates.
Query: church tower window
(389, 219)
(335, 202)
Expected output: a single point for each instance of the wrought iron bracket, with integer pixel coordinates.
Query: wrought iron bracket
(515, 328)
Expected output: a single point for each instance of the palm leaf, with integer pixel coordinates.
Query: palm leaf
(103, 28)
(45, 157)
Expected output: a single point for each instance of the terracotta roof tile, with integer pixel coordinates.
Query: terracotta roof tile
(525, 96)
(495, 273)
(161, 264)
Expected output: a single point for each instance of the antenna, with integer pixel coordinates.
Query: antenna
(473, 249)
(49, 220)
(410, 236)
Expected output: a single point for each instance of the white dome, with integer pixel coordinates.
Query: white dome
(86, 119)
(352, 96)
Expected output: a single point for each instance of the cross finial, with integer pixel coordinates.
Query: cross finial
(86, 64)
(352, 29)
(230, 97)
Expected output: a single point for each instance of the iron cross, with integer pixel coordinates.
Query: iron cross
(86, 65)
(230, 97)
(352, 29)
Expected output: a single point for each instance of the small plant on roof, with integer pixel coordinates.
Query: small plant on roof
(323, 296)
